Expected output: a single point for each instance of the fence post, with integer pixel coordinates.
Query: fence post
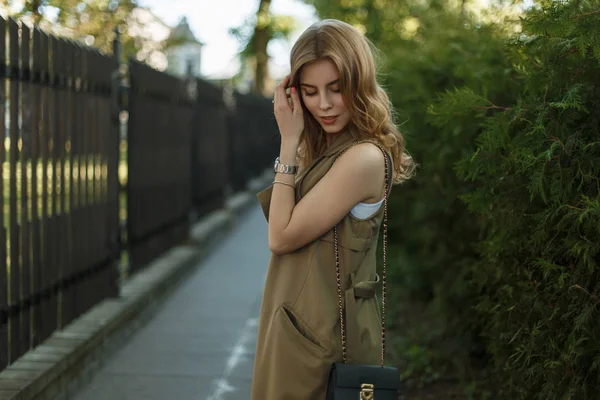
(118, 90)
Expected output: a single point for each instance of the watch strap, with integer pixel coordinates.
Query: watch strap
(280, 168)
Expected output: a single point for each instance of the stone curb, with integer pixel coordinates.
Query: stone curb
(69, 358)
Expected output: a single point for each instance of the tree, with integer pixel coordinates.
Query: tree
(259, 45)
(89, 21)
(255, 34)
(376, 18)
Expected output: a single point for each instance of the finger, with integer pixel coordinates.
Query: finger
(295, 99)
(286, 83)
(278, 90)
(280, 94)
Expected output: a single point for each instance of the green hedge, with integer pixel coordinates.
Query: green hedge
(494, 260)
(516, 275)
(536, 177)
(435, 235)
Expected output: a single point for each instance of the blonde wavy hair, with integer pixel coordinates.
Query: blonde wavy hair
(369, 105)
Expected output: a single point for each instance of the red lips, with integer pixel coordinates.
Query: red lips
(329, 120)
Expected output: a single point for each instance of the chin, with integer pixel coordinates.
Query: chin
(333, 129)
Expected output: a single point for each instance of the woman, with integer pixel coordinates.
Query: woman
(335, 103)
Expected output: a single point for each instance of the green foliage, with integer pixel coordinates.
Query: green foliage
(536, 171)
(536, 196)
(378, 19)
(419, 365)
(430, 48)
(278, 27)
(434, 232)
(254, 36)
(496, 252)
(86, 19)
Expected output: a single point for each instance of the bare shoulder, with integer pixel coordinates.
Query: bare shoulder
(362, 169)
(364, 157)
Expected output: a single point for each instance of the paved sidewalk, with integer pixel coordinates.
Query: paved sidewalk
(201, 342)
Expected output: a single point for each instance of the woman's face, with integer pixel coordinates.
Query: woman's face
(320, 90)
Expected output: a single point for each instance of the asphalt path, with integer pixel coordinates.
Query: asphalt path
(200, 343)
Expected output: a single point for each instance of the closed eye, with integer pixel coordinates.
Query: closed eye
(314, 93)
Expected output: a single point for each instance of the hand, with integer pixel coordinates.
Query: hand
(290, 118)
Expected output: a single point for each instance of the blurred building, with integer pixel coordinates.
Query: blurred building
(183, 51)
(172, 49)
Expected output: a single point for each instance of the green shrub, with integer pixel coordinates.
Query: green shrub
(536, 195)
(434, 233)
(493, 263)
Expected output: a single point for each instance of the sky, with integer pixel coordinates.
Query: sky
(210, 20)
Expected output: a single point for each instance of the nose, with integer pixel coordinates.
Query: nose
(325, 103)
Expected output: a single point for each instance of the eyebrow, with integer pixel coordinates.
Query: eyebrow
(312, 86)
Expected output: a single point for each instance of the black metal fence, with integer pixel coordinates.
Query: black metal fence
(211, 141)
(59, 186)
(159, 172)
(254, 131)
(189, 145)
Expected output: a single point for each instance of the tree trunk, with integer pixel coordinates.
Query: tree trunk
(260, 42)
(35, 10)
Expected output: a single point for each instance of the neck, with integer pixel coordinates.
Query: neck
(331, 138)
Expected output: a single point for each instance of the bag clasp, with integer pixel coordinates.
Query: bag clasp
(366, 391)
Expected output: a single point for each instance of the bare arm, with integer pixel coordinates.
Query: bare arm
(357, 176)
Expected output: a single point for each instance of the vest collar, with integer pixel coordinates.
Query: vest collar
(340, 141)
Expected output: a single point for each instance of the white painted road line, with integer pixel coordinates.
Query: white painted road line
(222, 386)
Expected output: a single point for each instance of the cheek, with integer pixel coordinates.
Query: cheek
(310, 104)
(339, 102)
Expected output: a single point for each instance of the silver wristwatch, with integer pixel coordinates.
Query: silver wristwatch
(284, 169)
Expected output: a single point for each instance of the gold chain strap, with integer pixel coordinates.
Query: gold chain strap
(339, 291)
(383, 287)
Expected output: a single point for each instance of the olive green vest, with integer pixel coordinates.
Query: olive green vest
(299, 328)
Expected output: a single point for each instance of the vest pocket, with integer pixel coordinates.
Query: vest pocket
(292, 367)
(298, 329)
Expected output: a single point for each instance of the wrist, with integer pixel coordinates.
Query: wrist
(288, 152)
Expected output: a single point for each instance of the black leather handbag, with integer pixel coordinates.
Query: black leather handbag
(359, 381)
